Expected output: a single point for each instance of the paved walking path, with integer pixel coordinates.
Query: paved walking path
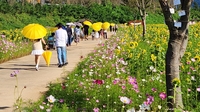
(36, 81)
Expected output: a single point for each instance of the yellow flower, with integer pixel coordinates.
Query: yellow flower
(138, 56)
(118, 51)
(188, 54)
(133, 44)
(136, 36)
(176, 82)
(153, 57)
(197, 58)
(196, 50)
(130, 55)
(182, 67)
(158, 46)
(144, 51)
(198, 44)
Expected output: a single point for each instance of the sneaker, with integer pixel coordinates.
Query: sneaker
(59, 66)
(65, 64)
(37, 68)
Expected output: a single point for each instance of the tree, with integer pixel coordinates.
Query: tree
(176, 48)
(142, 5)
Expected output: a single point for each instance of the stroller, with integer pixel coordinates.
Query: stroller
(51, 42)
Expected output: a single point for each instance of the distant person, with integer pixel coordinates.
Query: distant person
(111, 28)
(51, 41)
(69, 33)
(115, 29)
(82, 36)
(37, 50)
(61, 41)
(105, 34)
(93, 34)
(77, 33)
(86, 32)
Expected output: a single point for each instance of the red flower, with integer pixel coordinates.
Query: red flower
(98, 81)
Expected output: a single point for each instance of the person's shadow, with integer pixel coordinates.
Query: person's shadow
(4, 107)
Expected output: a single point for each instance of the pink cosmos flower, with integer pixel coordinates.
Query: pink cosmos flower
(163, 96)
(96, 109)
(116, 80)
(198, 89)
(149, 100)
(123, 87)
(154, 89)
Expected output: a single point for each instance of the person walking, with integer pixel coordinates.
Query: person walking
(69, 34)
(77, 32)
(86, 32)
(37, 50)
(105, 34)
(61, 41)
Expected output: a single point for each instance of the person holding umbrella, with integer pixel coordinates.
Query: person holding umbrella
(61, 41)
(36, 32)
(38, 51)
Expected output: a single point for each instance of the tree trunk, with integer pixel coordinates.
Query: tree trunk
(144, 24)
(173, 58)
(176, 48)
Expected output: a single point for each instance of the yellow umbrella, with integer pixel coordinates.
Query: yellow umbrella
(105, 25)
(34, 31)
(100, 23)
(96, 26)
(47, 56)
(54, 29)
(87, 23)
(112, 24)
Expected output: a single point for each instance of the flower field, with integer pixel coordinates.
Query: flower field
(126, 74)
(13, 45)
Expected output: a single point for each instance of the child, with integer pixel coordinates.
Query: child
(93, 34)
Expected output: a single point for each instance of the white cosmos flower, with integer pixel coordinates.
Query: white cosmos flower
(151, 67)
(51, 99)
(41, 107)
(143, 80)
(118, 72)
(144, 107)
(118, 47)
(154, 70)
(48, 110)
(159, 106)
(90, 73)
(107, 86)
(131, 110)
(125, 100)
(193, 60)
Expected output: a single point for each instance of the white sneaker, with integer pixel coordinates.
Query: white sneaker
(37, 68)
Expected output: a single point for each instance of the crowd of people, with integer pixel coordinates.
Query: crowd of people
(63, 38)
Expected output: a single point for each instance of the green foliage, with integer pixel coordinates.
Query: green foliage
(154, 18)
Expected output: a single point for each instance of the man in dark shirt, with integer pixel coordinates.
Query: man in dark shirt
(69, 32)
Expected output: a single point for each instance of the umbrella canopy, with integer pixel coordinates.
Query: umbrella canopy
(47, 56)
(54, 29)
(87, 23)
(96, 26)
(112, 24)
(105, 25)
(78, 24)
(70, 24)
(34, 31)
